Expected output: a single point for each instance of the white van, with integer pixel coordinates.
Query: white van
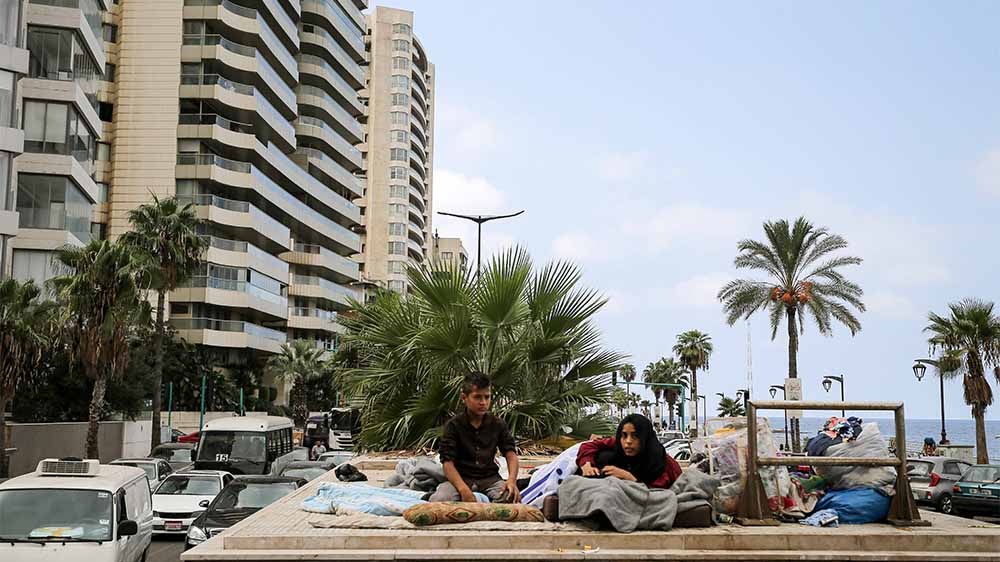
(76, 511)
(245, 445)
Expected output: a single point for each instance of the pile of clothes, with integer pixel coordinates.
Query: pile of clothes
(835, 430)
(421, 474)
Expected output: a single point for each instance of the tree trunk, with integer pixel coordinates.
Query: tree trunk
(982, 453)
(94, 415)
(300, 408)
(670, 413)
(793, 372)
(154, 438)
(693, 430)
(4, 463)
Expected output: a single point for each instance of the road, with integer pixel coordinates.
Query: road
(167, 549)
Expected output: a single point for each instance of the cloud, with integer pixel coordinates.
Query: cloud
(689, 221)
(988, 173)
(580, 247)
(455, 192)
(891, 305)
(695, 292)
(469, 133)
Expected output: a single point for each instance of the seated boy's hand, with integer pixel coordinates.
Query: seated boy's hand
(590, 471)
(620, 473)
(468, 496)
(512, 493)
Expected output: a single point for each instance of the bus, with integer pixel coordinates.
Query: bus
(245, 445)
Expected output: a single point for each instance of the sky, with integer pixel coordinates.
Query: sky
(645, 139)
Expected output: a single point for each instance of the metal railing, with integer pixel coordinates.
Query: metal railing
(218, 40)
(216, 80)
(198, 159)
(215, 119)
(753, 508)
(228, 326)
(336, 140)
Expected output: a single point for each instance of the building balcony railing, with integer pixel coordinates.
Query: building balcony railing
(334, 138)
(228, 326)
(341, 21)
(214, 119)
(298, 279)
(206, 282)
(337, 259)
(239, 246)
(194, 159)
(216, 80)
(334, 169)
(332, 75)
(312, 313)
(218, 40)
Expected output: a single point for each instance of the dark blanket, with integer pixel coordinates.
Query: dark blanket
(628, 506)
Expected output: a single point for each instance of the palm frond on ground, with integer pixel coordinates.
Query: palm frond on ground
(529, 330)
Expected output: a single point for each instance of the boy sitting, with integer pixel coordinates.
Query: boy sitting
(469, 445)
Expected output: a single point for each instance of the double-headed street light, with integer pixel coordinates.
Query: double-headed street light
(828, 382)
(479, 220)
(774, 390)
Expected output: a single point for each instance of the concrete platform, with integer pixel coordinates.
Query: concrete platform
(282, 532)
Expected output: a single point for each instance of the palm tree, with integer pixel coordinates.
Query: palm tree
(530, 330)
(620, 400)
(803, 278)
(299, 363)
(628, 372)
(25, 336)
(651, 375)
(672, 372)
(730, 408)
(970, 334)
(693, 349)
(164, 235)
(103, 305)
(645, 407)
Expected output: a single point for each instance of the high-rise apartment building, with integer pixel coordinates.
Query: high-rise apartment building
(13, 65)
(249, 109)
(400, 138)
(449, 251)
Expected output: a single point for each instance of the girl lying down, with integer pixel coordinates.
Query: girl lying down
(634, 453)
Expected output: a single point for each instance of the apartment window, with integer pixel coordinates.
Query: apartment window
(58, 54)
(397, 229)
(98, 230)
(102, 192)
(397, 267)
(401, 28)
(397, 286)
(447, 256)
(33, 264)
(106, 111)
(397, 210)
(397, 173)
(5, 160)
(398, 191)
(399, 118)
(398, 154)
(399, 135)
(400, 99)
(397, 248)
(400, 81)
(53, 203)
(103, 152)
(401, 45)
(110, 32)
(109, 72)
(10, 10)
(6, 98)
(55, 128)
(400, 63)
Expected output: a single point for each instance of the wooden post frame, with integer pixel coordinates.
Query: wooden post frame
(753, 510)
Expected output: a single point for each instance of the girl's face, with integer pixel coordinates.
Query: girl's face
(630, 440)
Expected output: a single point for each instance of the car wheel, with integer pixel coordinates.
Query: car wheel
(945, 506)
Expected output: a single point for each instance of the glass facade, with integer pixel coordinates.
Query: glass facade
(5, 199)
(56, 128)
(57, 54)
(6, 98)
(91, 10)
(53, 203)
(34, 264)
(10, 21)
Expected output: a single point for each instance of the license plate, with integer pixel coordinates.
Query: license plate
(980, 492)
(173, 525)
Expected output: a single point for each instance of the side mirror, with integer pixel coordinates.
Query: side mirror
(127, 528)
(203, 503)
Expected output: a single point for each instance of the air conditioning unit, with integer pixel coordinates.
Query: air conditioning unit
(68, 467)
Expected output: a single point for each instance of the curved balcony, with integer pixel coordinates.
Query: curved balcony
(229, 333)
(414, 250)
(320, 288)
(243, 216)
(335, 115)
(307, 318)
(320, 43)
(216, 127)
(417, 163)
(417, 181)
(416, 233)
(417, 199)
(416, 216)
(335, 145)
(340, 268)
(314, 66)
(283, 22)
(232, 294)
(332, 17)
(238, 253)
(421, 85)
(332, 170)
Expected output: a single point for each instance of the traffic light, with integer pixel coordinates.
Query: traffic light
(614, 378)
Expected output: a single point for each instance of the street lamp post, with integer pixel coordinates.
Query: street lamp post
(828, 382)
(919, 368)
(479, 220)
(704, 414)
(774, 390)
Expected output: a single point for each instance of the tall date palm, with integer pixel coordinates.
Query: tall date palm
(693, 349)
(803, 277)
(299, 363)
(164, 238)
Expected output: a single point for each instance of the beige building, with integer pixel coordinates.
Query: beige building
(397, 205)
(449, 251)
(247, 108)
(13, 66)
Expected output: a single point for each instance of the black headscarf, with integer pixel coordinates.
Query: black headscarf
(651, 461)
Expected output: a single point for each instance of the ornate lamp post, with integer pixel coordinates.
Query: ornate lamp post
(919, 369)
(774, 390)
(828, 382)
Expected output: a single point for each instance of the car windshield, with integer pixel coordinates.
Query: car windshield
(919, 468)
(982, 474)
(149, 467)
(222, 446)
(253, 496)
(54, 514)
(307, 473)
(172, 455)
(189, 486)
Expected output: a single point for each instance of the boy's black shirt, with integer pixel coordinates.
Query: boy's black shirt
(473, 449)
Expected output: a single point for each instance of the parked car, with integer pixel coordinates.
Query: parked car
(309, 470)
(240, 499)
(977, 492)
(680, 450)
(932, 478)
(76, 511)
(176, 434)
(156, 469)
(190, 438)
(178, 455)
(176, 501)
(337, 457)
